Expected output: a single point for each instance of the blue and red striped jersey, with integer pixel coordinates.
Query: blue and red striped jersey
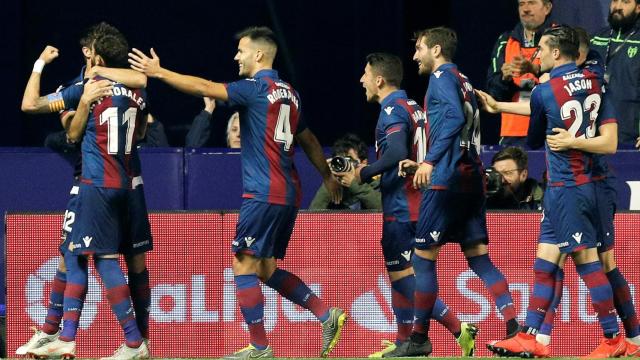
(269, 118)
(400, 201)
(573, 100)
(453, 132)
(109, 154)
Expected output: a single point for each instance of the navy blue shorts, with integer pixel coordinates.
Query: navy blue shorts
(447, 217)
(569, 218)
(137, 237)
(70, 212)
(263, 230)
(397, 244)
(99, 222)
(606, 204)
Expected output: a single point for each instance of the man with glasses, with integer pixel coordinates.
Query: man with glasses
(517, 191)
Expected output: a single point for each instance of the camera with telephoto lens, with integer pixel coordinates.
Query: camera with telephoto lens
(494, 181)
(342, 163)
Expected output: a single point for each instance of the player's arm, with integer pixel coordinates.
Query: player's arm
(127, 77)
(490, 105)
(312, 148)
(538, 120)
(193, 85)
(396, 151)
(32, 102)
(605, 143)
(93, 91)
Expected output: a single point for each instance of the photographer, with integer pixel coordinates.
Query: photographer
(347, 153)
(508, 185)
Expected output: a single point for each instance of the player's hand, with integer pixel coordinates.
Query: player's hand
(209, 104)
(422, 177)
(638, 143)
(562, 140)
(49, 54)
(407, 167)
(507, 71)
(487, 101)
(334, 188)
(150, 66)
(95, 90)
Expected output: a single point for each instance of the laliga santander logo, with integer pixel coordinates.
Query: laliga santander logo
(37, 299)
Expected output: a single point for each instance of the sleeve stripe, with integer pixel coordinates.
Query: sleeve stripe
(56, 105)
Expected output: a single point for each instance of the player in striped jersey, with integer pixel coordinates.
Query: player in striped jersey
(270, 121)
(399, 135)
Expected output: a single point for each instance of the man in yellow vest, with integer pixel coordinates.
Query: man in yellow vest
(514, 67)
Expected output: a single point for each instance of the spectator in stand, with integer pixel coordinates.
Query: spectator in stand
(618, 45)
(514, 67)
(200, 130)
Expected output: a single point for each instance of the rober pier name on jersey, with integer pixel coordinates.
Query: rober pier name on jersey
(279, 93)
(117, 91)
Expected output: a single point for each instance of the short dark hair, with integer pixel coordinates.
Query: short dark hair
(514, 153)
(97, 30)
(388, 66)
(350, 141)
(583, 36)
(443, 36)
(259, 33)
(565, 39)
(113, 49)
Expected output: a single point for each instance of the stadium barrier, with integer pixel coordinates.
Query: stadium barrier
(194, 311)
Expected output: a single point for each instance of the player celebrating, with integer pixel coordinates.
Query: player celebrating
(603, 179)
(107, 179)
(270, 121)
(139, 240)
(562, 105)
(399, 134)
(453, 207)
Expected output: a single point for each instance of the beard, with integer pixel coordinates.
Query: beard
(623, 22)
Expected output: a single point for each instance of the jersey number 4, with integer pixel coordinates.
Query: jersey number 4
(573, 108)
(282, 133)
(110, 116)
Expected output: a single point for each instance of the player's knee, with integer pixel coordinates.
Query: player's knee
(62, 267)
(608, 261)
(136, 263)
(266, 268)
(244, 264)
(474, 250)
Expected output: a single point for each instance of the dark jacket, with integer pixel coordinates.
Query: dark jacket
(620, 51)
(528, 198)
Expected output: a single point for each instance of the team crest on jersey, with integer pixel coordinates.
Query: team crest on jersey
(249, 240)
(87, 240)
(406, 255)
(388, 110)
(632, 51)
(577, 237)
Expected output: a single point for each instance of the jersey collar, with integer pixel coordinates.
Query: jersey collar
(391, 98)
(270, 73)
(563, 69)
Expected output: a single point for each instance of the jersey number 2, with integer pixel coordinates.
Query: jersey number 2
(110, 116)
(282, 133)
(591, 105)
